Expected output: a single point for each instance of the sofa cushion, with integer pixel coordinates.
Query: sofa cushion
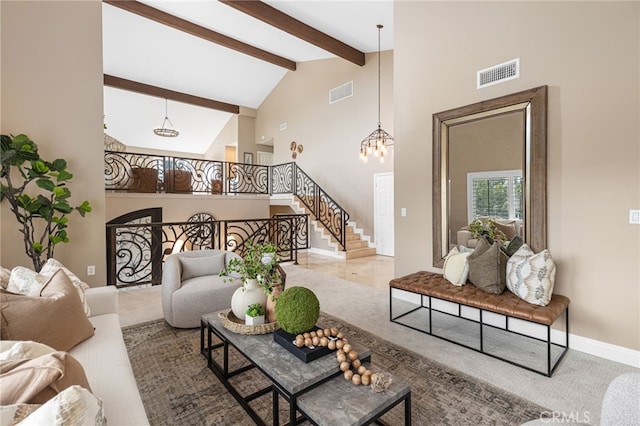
(73, 406)
(37, 380)
(52, 265)
(531, 276)
(56, 318)
(200, 266)
(456, 266)
(484, 267)
(508, 228)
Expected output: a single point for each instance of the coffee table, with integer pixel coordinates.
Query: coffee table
(289, 376)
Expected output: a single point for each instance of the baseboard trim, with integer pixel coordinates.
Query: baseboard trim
(579, 343)
(328, 253)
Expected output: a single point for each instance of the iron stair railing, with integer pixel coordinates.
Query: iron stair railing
(133, 172)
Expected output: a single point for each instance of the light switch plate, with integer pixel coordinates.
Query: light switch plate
(403, 212)
(634, 217)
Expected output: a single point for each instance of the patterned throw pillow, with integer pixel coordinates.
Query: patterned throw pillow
(531, 276)
(52, 265)
(73, 406)
(456, 267)
(25, 281)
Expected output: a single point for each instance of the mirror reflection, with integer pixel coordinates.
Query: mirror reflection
(489, 161)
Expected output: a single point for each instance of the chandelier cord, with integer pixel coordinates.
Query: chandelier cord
(379, 28)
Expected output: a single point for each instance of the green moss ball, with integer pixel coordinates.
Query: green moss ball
(297, 310)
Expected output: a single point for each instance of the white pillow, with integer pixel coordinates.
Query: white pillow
(531, 276)
(456, 267)
(22, 349)
(73, 406)
(5, 274)
(25, 281)
(52, 265)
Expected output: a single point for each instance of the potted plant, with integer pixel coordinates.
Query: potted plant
(41, 216)
(255, 274)
(481, 227)
(254, 314)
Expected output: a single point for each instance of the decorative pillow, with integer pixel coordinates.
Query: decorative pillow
(456, 267)
(52, 265)
(531, 276)
(505, 253)
(25, 281)
(484, 267)
(12, 349)
(507, 228)
(56, 318)
(35, 381)
(5, 274)
(73, 406)
(199, 266)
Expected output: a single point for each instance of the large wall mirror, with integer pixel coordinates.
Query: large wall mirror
(490, 160)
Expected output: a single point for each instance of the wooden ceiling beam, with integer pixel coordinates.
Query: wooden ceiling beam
(278, 19)
(147, 89)
(172, 21)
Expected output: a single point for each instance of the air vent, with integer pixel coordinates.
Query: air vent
(499, 73)
(341, 92)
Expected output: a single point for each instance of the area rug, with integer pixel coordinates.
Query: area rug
(178, 388)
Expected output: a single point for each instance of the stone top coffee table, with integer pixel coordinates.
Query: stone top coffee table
(290, 377)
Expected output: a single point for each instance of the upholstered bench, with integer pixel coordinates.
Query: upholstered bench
(508, 306)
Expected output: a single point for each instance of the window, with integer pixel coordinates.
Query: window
(496, 194)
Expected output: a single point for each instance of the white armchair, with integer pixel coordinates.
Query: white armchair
(192, 286)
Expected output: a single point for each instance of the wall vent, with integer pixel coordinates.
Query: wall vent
(499, 73)
(341, 92)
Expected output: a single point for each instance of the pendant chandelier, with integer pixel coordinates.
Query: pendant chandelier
(377, 142)
(164, 131)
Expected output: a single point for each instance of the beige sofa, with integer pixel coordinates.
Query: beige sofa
(106, 362)
(465, 237)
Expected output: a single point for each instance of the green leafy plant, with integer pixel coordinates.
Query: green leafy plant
(254, 265)
(481, 227)
(42, 217)
(255, 310)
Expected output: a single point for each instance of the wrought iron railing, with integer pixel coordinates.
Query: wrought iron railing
(135, 251)
(132, 172)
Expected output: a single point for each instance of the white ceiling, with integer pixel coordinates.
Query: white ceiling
(138, 49)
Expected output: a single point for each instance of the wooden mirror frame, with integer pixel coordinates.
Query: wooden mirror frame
(533, 103)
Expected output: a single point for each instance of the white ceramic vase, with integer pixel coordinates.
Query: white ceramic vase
(246, 295)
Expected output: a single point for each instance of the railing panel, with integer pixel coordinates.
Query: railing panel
(282, 179)
(305, 190)
(133, 172)
(136, 244)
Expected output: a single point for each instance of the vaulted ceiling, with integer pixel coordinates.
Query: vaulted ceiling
(210, 57)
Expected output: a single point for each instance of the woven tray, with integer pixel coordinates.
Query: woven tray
(236, 325)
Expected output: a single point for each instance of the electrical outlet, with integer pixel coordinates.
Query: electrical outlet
(634, 217)
(91, 270)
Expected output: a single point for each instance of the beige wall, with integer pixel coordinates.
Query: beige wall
(179, 207)
(52, 91)
(331, 134)
(588, 54)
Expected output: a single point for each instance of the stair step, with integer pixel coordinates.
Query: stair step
(356, 244)
(363, 252)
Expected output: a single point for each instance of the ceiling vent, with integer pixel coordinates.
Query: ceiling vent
(341, 92)
(499, 73)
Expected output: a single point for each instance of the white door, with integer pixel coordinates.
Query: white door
(265, 158)
(383, 213)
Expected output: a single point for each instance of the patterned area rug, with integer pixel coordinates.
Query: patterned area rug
(178, 388)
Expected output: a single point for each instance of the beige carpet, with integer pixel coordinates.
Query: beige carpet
(177, 387)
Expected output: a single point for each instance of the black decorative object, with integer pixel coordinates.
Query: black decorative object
(305, 354)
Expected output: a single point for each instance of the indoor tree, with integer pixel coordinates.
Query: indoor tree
(41, 213)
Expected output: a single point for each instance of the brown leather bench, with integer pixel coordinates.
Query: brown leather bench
(435, 286)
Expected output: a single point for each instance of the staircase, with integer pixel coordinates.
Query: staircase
(357, 243)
